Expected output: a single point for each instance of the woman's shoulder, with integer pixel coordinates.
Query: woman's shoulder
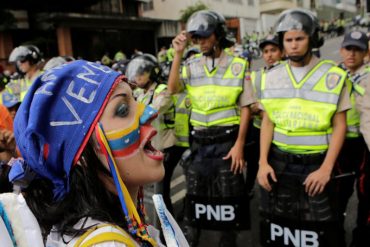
(100, 234)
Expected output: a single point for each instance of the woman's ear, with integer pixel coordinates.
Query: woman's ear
(95, 144)
(97, 149)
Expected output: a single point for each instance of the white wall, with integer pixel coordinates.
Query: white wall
(268, 21)
(170, 9)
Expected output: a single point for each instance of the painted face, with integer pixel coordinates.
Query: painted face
(128, 131)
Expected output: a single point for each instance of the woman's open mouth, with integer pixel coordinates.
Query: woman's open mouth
(149, 150)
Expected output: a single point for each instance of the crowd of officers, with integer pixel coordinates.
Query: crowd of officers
(299, 125)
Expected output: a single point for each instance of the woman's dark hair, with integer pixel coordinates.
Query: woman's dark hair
(5, 185)
(87, 197)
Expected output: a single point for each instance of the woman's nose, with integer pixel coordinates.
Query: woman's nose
(148, 113)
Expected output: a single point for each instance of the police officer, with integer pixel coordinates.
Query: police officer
(220, 95)
(271, 54)
(145, 72)
(353, 160)
(304, 101)
(28, 61)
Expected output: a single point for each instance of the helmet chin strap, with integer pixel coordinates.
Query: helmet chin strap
(211, 53)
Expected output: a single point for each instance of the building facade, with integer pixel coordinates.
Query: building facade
(241, 15)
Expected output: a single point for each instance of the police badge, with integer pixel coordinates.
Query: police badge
(187, 102)
(236, 68)
(332, 80)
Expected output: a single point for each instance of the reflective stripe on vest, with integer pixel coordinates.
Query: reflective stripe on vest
(182, 121)
(256, 82)
(352, 115)
(214, 117)
(318, 140)
(302, 112)
(214, 94)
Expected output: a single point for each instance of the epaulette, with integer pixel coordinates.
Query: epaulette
(328, 61)
(277, 65)
(194, 59)
(367, 68)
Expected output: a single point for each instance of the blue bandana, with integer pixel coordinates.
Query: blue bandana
(58, 115)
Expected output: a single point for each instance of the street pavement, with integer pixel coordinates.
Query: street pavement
(330, 50)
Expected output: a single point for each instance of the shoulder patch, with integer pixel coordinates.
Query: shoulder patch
(236, 68)
(332, 80)
(187, 102)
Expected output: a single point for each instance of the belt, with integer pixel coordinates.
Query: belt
(214, 135)
(305, 159)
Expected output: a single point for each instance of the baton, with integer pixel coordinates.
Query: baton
(347, 174)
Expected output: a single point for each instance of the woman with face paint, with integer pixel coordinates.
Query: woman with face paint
(145, 72)
(87, 153)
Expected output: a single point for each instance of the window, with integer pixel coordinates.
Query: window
(236, 1)
(148, 6)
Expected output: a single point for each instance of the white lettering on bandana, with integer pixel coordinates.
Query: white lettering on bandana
(75, 92)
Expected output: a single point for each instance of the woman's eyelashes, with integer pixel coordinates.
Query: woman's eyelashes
(122, 110)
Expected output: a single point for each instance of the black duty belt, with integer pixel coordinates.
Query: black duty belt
(297, 158)
(214, 135)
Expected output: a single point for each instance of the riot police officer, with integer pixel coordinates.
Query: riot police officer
(304, 100)
(353, 160)
(28, 61)
(272, 53)
(220, 95)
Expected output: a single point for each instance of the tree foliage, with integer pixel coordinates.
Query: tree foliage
(187, 12)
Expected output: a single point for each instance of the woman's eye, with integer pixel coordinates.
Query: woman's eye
(122, 110)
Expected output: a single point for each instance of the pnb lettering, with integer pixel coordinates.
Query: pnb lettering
(218, 212)
(295, 237)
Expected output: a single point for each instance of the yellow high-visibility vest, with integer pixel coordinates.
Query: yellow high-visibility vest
(182, 117)
(214, 94)
(302, 112)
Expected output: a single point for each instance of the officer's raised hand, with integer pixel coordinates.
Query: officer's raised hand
(179, 45)
(179, 42)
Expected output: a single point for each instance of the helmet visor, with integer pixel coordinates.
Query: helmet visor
(138, 67)
(299, 20)
(201, 24)
(289, 23)
(18, 54)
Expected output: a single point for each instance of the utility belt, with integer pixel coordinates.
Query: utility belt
(217, 134)
(305, 159)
